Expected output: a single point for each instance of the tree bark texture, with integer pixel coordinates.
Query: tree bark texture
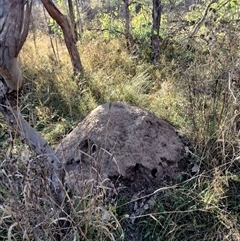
(68, 34)
(155, 38)
(14, 23)
(13, 32)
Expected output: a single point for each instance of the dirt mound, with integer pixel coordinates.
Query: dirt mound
(121, 142)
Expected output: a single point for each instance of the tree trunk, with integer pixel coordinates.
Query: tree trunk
(13, 33)
(129, 38)
(14, 19)
(79, 24)
(155, 38)
(67, 33)
(72, 19)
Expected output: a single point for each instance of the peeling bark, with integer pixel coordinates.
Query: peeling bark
(14, 24)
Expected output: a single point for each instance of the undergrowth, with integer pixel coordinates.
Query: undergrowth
(192, 87)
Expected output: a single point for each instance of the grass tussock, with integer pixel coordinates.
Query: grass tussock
(27, 212)
(191, 87)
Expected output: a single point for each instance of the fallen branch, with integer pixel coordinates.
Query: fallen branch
(13, 117)
(14, 18)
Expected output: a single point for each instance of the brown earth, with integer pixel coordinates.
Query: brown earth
(124, 143)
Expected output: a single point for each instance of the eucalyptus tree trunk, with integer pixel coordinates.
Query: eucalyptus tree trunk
(14, 23)
(79, 23)
(155, 38)
(128, 36)
(72, 19)
(68, 33)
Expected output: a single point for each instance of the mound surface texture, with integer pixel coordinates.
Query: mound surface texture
(120, 140)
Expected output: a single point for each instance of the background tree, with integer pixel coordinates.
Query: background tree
(72, 19)
(128, 35)
(155, 38)
(68, 34)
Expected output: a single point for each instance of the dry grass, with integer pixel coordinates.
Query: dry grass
(190, 88)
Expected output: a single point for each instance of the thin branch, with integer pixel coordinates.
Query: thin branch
(106, 29)
(229, 87)
(201, 21)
